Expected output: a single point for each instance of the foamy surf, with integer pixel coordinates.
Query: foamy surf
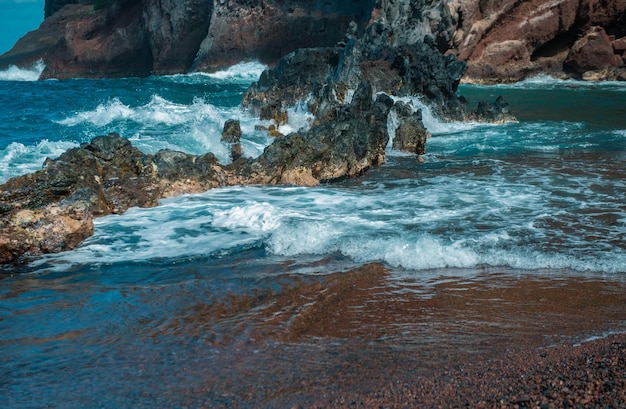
(246, 71)
(543, 81)
(413, 227)
(14, 73)
(432, 122)
(162, 124)
(18, 159)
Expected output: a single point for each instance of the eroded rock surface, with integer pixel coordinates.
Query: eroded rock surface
(507, 40)
(117, 38)
(53, 209)
(502, 40)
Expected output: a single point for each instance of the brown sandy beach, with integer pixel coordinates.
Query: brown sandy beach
(374, 338)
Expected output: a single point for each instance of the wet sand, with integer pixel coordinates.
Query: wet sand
(375, 338)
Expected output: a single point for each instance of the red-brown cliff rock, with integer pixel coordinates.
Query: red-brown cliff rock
(507, 40)
(593, 51)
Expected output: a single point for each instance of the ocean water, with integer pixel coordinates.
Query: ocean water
(541, 199)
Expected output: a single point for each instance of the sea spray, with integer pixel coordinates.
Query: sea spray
(14, 73)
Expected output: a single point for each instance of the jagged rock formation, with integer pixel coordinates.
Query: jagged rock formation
(53, 209)
(507, 40)
(501, 40)
(410, 134)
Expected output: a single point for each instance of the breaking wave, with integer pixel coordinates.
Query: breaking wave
(14, 73)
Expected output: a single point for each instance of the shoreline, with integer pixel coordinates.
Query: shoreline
(363, 339)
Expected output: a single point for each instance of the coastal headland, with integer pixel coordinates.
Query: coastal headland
(501, 41)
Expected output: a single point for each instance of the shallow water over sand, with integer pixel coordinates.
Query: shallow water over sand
(281, 339)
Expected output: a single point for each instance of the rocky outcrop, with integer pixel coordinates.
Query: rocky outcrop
(53, 209)
(508, 40)
(410, 135)
(232, 136)
(496, 112)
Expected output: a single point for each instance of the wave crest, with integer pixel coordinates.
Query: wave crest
(14, 73)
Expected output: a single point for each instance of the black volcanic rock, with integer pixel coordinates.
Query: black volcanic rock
(53, 209)
(348, 145)
(346, 86)
(410, 134)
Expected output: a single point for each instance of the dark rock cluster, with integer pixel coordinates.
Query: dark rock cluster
(53, 209)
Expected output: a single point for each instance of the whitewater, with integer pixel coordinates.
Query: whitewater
(542, 197)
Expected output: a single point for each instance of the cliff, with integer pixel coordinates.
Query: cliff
(108, 38)
(501, 40)
(508, 40)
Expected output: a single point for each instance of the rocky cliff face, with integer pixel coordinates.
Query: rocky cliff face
(501, 40)
(104, 38)
(508, 40)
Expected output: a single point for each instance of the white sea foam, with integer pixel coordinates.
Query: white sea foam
(158, 111)
(432, 223)
(17, 159)
(543, 81)
(255, 217)
(432, 122)
(14, 73)
(104, 114)
(245, 71)
(161, 124)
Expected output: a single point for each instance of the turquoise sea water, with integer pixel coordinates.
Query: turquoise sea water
(545, 196)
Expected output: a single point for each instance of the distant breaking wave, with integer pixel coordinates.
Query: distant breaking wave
(14, 73)
(544, 81)
(245, 71)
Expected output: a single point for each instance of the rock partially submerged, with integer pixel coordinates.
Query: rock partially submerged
(53, 209)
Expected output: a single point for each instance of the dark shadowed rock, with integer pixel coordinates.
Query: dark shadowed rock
(345, 146)
(232, 135)
(410, 134)
(496, 112)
